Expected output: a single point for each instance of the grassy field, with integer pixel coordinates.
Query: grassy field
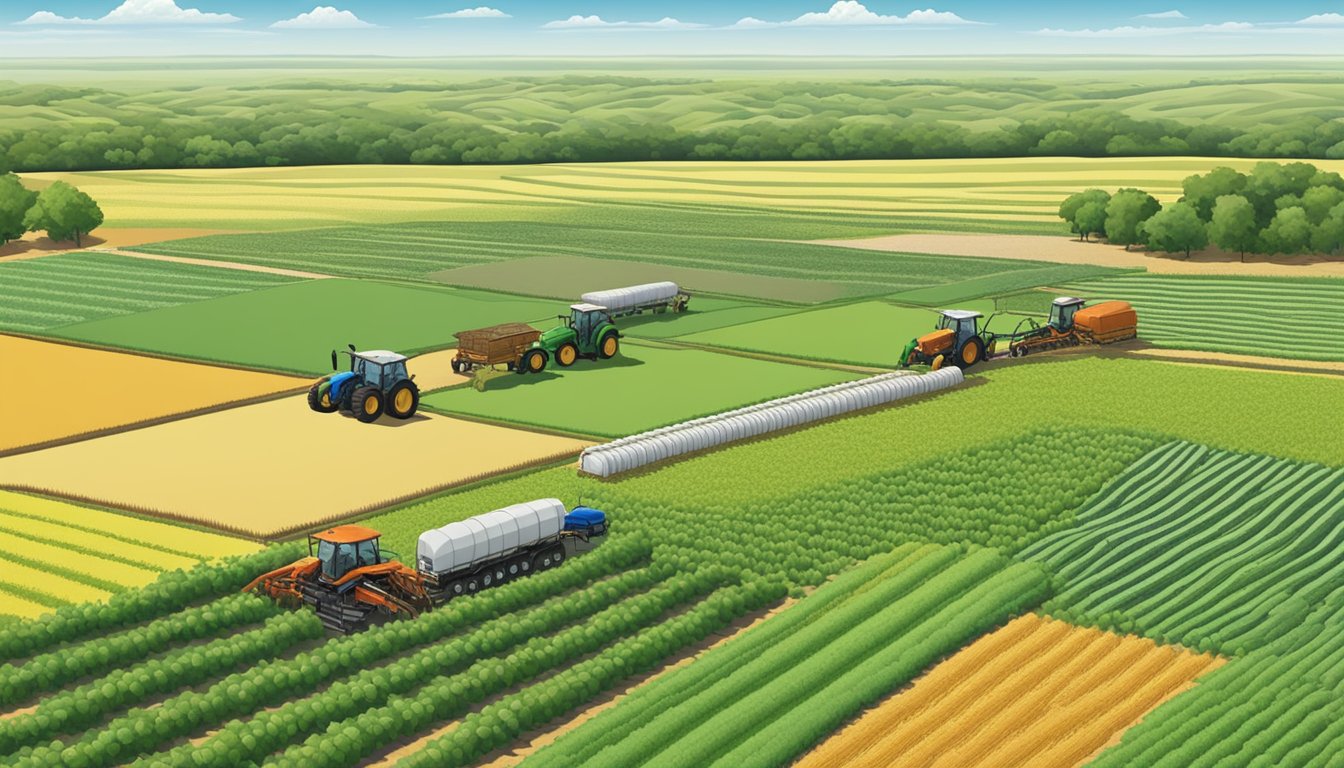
(295, 327)
(644, 387)
(41, 294)
(85, 390)
(867, 333)
(1301, 319)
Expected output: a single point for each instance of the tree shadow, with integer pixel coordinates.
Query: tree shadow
(46, 244)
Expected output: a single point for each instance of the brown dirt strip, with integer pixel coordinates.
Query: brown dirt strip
(31, 246)
(218, 264)
(1066, 250)
(1266, 364)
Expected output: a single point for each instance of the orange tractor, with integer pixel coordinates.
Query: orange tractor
(961, 340)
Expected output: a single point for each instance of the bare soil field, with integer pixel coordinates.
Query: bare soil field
(275, 467)
(1064, 250)
(51, 391)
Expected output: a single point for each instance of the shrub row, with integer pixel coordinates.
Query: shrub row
(57, 668)
(270, 683)
(347, 742)
(504, 720)
(168, 594)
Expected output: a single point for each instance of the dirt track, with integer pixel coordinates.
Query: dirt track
(31, 246)
(218, 264)
(1065, 250)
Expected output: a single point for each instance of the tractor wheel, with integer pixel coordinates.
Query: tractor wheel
(937, 363)
(457, 365)
(566, 355)
(534, 361)
(367, 404)
(609, 346)
(320, 401)
(972, 352)
(403, 400)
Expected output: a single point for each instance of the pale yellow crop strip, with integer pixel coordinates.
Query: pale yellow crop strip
(846, 746)
(188, 541)
(114, 571)
(13, 605)
(110, 548)
(51, 584)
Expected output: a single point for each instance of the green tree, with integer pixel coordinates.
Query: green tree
(1177, 227)
(1319, 201)
(64, 213)
(1329, 235)
(1289, 232)
(1128, 209)
(1085, 212)
(1233, 225)
(15, 200)
(1203, 191)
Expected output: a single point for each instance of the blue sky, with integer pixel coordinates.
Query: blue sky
(30, 28)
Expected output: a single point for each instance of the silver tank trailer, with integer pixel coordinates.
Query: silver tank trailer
(493, 535)
(636, 298)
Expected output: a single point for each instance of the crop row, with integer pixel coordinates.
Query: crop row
(273, 682)
(804, 677)
(54, 291)
(1300, 319)
(1281, 704)
(56, 668)
(1201, 547)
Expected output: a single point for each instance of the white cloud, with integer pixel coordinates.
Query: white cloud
(1225, 27)
(1322, 20)
(139, 12)
(854, 13)
(597, 22)
(323, 17)
(483, 12)
(751, 22)
(1163, 15)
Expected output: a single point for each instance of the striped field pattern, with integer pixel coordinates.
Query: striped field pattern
(1037, 692)
(58, 554)
(54, 291)
(1294, 318)
(1206, 548)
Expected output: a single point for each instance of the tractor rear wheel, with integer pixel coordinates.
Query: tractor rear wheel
(367, 404)
(972, 352)
(320, 401)
(566, 355)
(608, 346)
(403, 400)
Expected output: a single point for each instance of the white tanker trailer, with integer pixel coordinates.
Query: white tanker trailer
(637, 299)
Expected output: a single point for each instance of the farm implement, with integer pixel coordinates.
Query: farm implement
(962, 340)
(587, 332)
(375, 384)
(350, 580)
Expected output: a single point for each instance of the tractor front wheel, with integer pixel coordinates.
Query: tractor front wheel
(320, 400)
(367, 404)
(404, 400)
(566, 355)
(608, 346)
(534, 361)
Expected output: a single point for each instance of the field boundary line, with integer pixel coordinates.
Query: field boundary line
(763, 356)
(234, 265)
(68, 342)
(1283, 365)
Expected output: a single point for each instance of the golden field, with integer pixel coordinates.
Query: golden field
(276, 466)
(82, 390)
(1036, 692)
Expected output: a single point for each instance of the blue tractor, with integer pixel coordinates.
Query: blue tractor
(375, 384)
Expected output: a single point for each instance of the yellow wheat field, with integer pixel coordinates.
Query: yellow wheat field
(83, 390)
(55, 555)
(276, 466)
(1037, 692)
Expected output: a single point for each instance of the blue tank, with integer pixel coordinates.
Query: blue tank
(587, 520)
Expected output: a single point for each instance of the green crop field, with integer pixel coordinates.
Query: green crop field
(48, 293)
(1301, 319)
(867, 333)
(295, 327)
(615, 397)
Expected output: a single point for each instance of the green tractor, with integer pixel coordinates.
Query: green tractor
(375, 384)
(588, 332)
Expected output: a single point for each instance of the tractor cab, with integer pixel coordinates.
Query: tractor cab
(585, 319)
(963, 323)
(1062, 311)
(343, 549)
(379, 368)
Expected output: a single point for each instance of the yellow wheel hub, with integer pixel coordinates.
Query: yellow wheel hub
(326, 399)
(534, 362)
(937, 363)
(568, 356)
(609, 346)
(371, 405)
(970, 353)
(404, 401)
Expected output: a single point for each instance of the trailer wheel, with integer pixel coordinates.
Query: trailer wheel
(525, 565)
(487, 579)
(456, 588)
(558, 555)
(473, 585)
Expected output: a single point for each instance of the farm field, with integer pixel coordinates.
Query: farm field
(43, 294)
(611, 397)
(867, 333)
(131, 389)
(309, 469)
(1035, 691)
(1301, 319)
(111, 553)
(318, 316)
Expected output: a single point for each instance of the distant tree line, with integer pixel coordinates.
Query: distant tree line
(60, 210)
(275, 135)
(1290, 208)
